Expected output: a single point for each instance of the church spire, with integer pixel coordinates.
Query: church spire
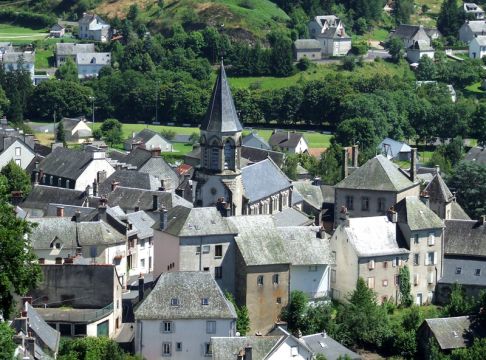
(221, 113)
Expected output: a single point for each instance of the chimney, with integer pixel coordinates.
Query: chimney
(345, 163)
(155, 152)
(30, 344)
(102, 207)
(437, 169)
(60, 211)
(155, 202)
(36, 178)
(248, 352)
(413, 165)
(392, 215)
(136, 208)
(355, 155)
(344, 216)
(114, 185)
(317, 181)
(101, 176)
(141, 289)
(425, 198)
(95, 188)
(288, 135)
(163, 219)
(482, 219)
(89, 191)
(162, 185)
(37, 165)
(77, 216)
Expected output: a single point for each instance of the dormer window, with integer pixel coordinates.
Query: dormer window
(174, 302)
(58, 245)
(204, 301)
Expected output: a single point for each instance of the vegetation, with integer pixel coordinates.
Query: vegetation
(404, 286)
(100, 348)
(243, 317)
(111, 130)
(18, 179)
(7, 346)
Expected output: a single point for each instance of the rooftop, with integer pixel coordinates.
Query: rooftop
(285, 139)
(73, 49)
(417, 215)
(455, 332)
(93, 58)
(255, 155)
(228, 348)
(307, 44)
(129, 178)
(464, 271)
(465, 237)
(438, 190)
(323, 344)
(42, 195)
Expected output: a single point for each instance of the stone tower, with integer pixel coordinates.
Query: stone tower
(218, 176)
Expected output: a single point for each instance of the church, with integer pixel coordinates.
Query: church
(219, 180)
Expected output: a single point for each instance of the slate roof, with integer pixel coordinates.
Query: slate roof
(93, 58)
(378, 174)
(263, 179)
(467, 274)
(406, 32)
(477, 154)
(307, 44)
(254, 138)
(391, 148)
(41, 196)
(49, 336)
(71, 234)
(14, 57)
(464, 237)
(312, 194)
(128, 198)
(480, 39)
(203, 221)
(228, 348)
(329, 347)
(73, 49)
(142, 222)
(285, 139)
(457, 212)
(144, 136)
(455, 332)
(158, 167)
(129, 178)
(476, 26)
(328, 194)
(255, 155)
(70, 123)
(221, 116)
(66, 163)
(291, 217)
(189, 287)
(137, 157)
(417, 215)
(373, 236)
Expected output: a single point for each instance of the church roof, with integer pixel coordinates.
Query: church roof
(221, 114)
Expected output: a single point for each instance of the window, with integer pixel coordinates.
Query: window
(174, 302)
(65, 329)
(381, 204)
(59, 182)
(205, 269)
(430, 277)
(67, 184)
(397, 280)
(58, 261)
(416, 239)
(198, 250)
(42, 261)
(431, 258)
(275, 279)
(458, 270)
(416, 259)
(79, 329)
(17, 151)
(204, 301)
(50, 180)
(142, 243)
(385, 264)
(477, 272)
(365, 204)
(279, 300)
(385, 283)
(218, 251)
(396, 261)
(333, 275)
(166, 349)
(206, 249)
(431, 239)
(371, 264)
(178, 346)
(166, 327)
(18, 162)
(218, 272)
(207, 349)
(349, 202)
(210, 327)
(229, 156)
(58, 245)
(313, 268)
(416, 279)
(371, 282)
(260, 280)
(294, 351)
(214, 158)
(142, 263)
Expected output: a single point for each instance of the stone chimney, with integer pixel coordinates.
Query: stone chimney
(155, 202)
(89, 191)
(95, 188)
(345, 163)
(162, 185)
(248, 352)
(355, 155)
(413, 165)
(101, 176)
(317, 181)
(437, 169)
(36, 178)
(60, 211)
(344, 216)
(163, 219)
(392, 215)
(77, 216)
(114, 185)
(425, 198)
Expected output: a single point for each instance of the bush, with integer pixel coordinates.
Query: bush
(360, 48)
(303, 64)
(28, 19)
(349, 63)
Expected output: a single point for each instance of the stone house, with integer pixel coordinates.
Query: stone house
(329, 31)
(148, 139)
(181, 315)
(92, 27)
(71, 50)
(417, 41)
(477, 47)
(26, 59)
(90, 64)
(287, 141)
(76, 130)
(69, 302)
(71, 169)
(473, 10)
(307, 48)
(470, 29)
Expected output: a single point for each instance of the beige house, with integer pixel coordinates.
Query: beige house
(76, 130)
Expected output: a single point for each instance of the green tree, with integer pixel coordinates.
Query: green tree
(168, 134)
(281, 56)
(426, 69)
(243, 317)
(133, 12)
(99, 348)
(402, 10)
(469, 180)
(60, 136)
(304, 63)
(478, 124)
(328, 167)
(290, 166)
(18, 179)
(450, 19)
(112, 131)
(295, 313)
(454, 150)
(67, 71)
(4, 102)
(19, 272)
(357, 131)
(194, 138)
(458, 304)
(405, 288)
(7, 346)
(395, 48)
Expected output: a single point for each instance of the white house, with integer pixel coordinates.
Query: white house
(474, 10)
(329, 31)
(92, 27)
(12, 60)
(292, 142)
(470, 29)
(57, 31)
(395, 150)
(90, 64)
(148, 139)
(307, 48)
(477, 47)
(181, 315)
(76, 130)
(13, 148)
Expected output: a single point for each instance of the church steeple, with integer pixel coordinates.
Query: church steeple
(221, 114)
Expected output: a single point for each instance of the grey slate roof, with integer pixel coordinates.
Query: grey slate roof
(41, 196)
(255, 140)
(328, 194)
(202, 221)
(476, 26)
(392, 148)
(255, 155)
(14, 57)
(312, 194)
(455, 332)
(417, 215)
(66, 163)
(329, 347)
(477, 154)
(263, 179)
(457, 212)
(467, 274)
(189, 287)
(406, 32)
(137, 157)
(464, 237)
(158, 167)
(142, 222)
(129, 178)
(373, 236)
(377, 173)
(291, 217)
(70, 123)
(227, 348)
(285, 139)
(438, 190)
(221, 116)
(73, 49)
(129, 198)
(93, 58)
(46, 333)
(144, 136)
(307, 44)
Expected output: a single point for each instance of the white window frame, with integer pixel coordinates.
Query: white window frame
(210, 327)
(18, 151)
(431, 239)
(166, 346)
(167, 327)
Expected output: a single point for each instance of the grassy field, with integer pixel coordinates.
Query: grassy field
(16, 33)
(42, 58)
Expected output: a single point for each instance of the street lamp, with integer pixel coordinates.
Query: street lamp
(92, 98)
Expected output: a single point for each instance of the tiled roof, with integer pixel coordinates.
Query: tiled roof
(221, 116)
(465, 237)
(263, 179)
(291, 217)
(417, 215)
(476, 26)
(377, 173)
(457, 212)
(189, 287)
(137, 157)
(312, 194)
(228, 348)
(142, 222)
(158, 167)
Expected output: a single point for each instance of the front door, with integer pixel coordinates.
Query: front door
(418, 299)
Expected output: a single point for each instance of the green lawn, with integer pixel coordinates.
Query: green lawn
(43, 58)
(476, 88)
(14, 33)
